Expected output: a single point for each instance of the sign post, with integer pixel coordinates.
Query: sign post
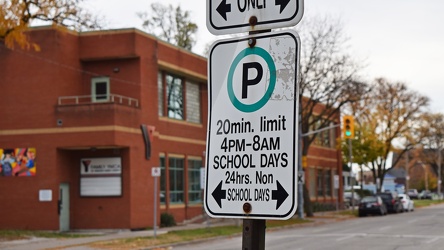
(253, 124)
(336, 187)
(155, 172)
(253, 114)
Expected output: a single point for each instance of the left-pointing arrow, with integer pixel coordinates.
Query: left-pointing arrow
(219, 194)
(223, 9)
(280, 195)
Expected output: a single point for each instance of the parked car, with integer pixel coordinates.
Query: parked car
(348, 198)
(392, 202)
(425, 195)
(372, 205)
(412, 193)
(407, 203)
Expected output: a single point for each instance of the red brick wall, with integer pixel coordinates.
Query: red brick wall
(33, 82)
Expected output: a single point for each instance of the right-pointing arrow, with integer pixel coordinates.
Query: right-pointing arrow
(282, 3)
(280, 195)
(224, 8)
(219, 194)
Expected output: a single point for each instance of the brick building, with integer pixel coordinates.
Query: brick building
(78, 106)
(323, 162)
(87, 120)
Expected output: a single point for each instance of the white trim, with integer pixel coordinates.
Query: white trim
(94, 82)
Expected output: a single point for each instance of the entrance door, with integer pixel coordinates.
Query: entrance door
(64, 207)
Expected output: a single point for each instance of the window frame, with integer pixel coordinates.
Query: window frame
(169, 88)
(163, 180)
(188, 98)
(174, 184)
(194, 170)
(94, 82)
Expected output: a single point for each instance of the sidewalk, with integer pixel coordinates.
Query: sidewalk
(107, 235)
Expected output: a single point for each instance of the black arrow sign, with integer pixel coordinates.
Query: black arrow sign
(219, 194)
(224, 8)
(280, 195)
(282, 3)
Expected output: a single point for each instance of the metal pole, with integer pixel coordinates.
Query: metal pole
(425, 176)
(253, 235)
(155, 205)
(352, 202)
(439, 172)
(300, 170)
(337, 199)
(407, 170)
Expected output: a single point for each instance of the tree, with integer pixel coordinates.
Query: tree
(366, 147)
(328, 77)
(17, 15)
(394, 114)
(433, 143)
(170, 24)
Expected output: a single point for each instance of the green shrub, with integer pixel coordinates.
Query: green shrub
(323, 206)
(167, 220)
(363, 192)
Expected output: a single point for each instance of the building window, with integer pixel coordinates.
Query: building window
(178, 98)
(176, 180)
(336, 190)
(320, 184)
(333, 137)
(312, 182)
(193, 102)
(174, 93)
(194, 188)
(324, 138)
(100, 89)
(162, 180)
(160, 93)
(328, 182)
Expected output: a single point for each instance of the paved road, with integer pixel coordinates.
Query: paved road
(422, 229)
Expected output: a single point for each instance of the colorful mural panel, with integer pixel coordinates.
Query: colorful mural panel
(18, 162)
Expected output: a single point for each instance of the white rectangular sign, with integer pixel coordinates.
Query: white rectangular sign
(251, 165)
(45, 195)
(235, 16)
(101, 176)
(155, 172)
(336, 181)
(100, 166)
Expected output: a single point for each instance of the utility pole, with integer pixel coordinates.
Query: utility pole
(300, 171)
(349, 133)
(407, 178)
(351, 172)
(439, 172)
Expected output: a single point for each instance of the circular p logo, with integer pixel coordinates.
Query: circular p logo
(248, 82)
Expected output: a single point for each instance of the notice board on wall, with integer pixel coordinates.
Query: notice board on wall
(101, 176)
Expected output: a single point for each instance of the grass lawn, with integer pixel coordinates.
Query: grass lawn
(425, 203)
(187, 235)
(8, 235)
(169, 238)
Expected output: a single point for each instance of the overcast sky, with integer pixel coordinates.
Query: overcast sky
(402, 40)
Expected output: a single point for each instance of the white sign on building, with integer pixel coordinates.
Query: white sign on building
(101, 176)
(251, 169)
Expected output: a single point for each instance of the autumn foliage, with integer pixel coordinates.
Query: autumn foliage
(16, 16)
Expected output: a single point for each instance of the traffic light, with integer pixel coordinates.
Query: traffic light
(348, 127)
